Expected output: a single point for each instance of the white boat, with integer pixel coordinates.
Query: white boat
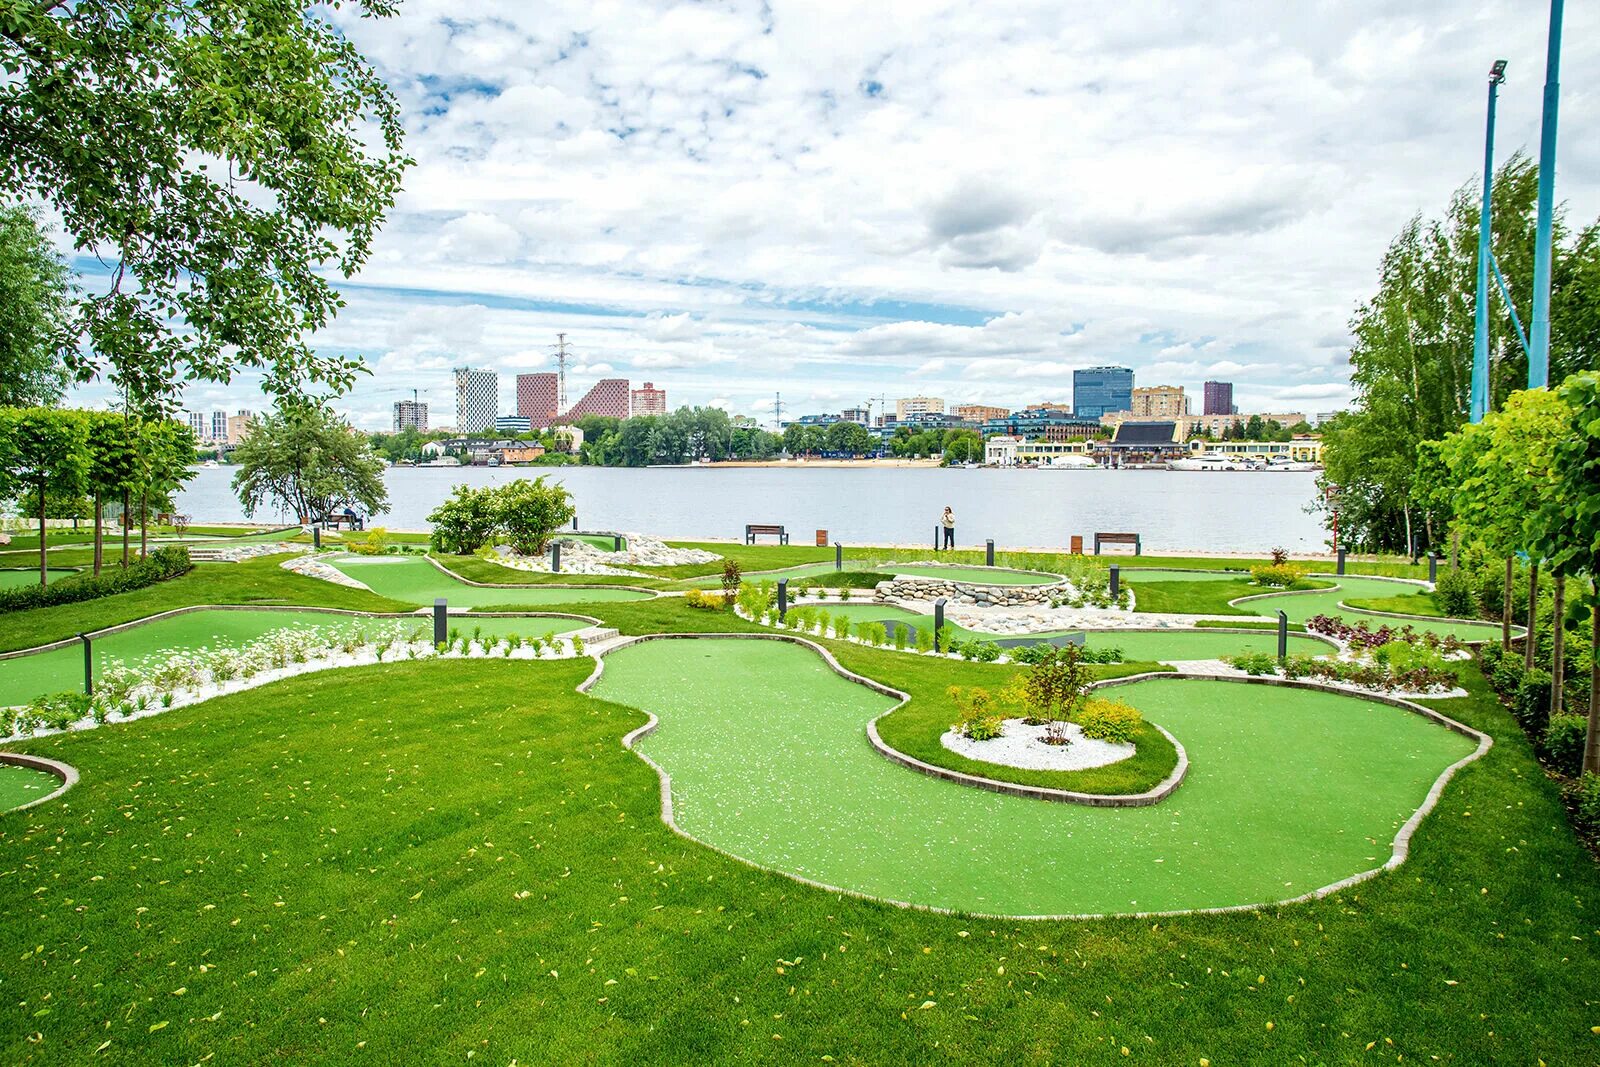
(1069, 463)
(1208, 461)
(1284, 463)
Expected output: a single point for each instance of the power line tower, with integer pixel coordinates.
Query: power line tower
(561, 371)
(777, 411)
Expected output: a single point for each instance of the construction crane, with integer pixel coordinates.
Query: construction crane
(560, 348)
(883, 408)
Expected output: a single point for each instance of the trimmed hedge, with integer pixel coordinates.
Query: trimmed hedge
(160, 565)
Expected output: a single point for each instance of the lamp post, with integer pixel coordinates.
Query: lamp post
(1539, 328)
(1479, 403)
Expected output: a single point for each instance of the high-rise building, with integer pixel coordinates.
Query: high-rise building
(219, 426)
(979, 412)
(1218, 399)
(861, 415)
(237, 426)
(648, 400)
(197, 425)
(905, 407)
(513, 424)
(1099, 390)
(537, 398)
(410, 415)
(1159, 402)
(477, 399)
(609, 397)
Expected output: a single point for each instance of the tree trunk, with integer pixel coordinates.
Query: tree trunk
(1558, 645)
(99, 541)
(1591, 747)
(126, 499)
(1411, 545)
(1455, 550)
(1531, 636)
(1505, 608)
(144, 523)
(42, 566)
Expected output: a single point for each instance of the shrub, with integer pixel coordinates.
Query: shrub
(1507, 676)
(841, 627)
(873, 633)
(1253, 663)
(577, 645)
(1585, 795)
(1531, 704)
(465, 521)
(947, 638)
(732, 577)
(158, 566)
(977, 718)
(1452, 593)
(900, 637)
(376, 543)
(1280, 556)
(924, 639)
(1562, 743)
(1489, 657)
(1109, 720)
(1402, 657)
(56, 711)
(705, 601)
(1109, 654)
(529, 512)
(1281, 576)
(983, 651)
(821, 618)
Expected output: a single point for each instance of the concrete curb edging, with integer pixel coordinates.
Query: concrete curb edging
(1402, 841)
(64, 771)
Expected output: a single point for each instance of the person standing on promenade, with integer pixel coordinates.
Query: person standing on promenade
(949, 521)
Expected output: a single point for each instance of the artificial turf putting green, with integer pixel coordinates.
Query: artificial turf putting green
(416, 581)
(1139, 645)
(19, 785)
(1288, 790)
(973, 575)
(15, 578)
(600, 541)
(1300, 606)
(24, 678)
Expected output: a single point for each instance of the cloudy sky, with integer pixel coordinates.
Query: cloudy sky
(845, 200)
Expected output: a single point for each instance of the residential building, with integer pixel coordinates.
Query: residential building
(1042, 423)
(979, 412)
(236, 427)
(1324, 416)
(1098, 390)
(410, 415)
(1051, 407)
(568, 438)
(609, 398)
(477, 399)
(1159, 402)
(517, 453)
(648, 400)
(861, 415)
(813, 420)
(197, 425)
(513, 424)
(537, 398)
(219, 426)
(908, 406)
(1218, 399)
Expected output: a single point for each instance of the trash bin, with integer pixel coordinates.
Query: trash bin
(1077, 544)
(822, 538)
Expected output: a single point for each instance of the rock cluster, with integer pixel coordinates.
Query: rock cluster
(218, 552)
(1004, 596)
(312, 567)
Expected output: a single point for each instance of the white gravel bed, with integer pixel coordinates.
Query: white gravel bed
(312, 567)
(1020, 745)
(214, 552)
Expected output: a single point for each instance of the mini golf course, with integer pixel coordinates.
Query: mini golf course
(416, 581)
(1151, 646)
(26, 677)
(19, 785)
(1288, 790)
(1300, 606)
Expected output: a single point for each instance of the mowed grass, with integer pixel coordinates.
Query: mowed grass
(1407, 604)
(412, 863)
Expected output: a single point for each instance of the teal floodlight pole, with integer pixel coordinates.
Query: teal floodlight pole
(1539, 328)
(1478, 405)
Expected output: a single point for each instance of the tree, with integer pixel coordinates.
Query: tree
(851, 438)
(308, 461)
(42, 451)
(221, 156)
(164, 449)
(528, 513)
(1052, 690)
(35, 307)
(1567, 523)
(113, 463)
(961, 446)
(465, 521)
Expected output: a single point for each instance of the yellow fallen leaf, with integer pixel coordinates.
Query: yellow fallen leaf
(156, 1026)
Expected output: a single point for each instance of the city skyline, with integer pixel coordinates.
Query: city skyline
(745, 222)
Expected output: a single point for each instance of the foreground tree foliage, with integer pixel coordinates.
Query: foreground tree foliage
(527, 514)
(42, 450)
(1411, 359)
(35, 308)
(218, 155)
(308, 461)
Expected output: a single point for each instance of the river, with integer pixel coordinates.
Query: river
(1213, 511)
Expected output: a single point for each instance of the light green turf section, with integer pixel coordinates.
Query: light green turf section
(25, 678)
(975, 575)
(600, 541)
(1288, 790)
(416, 581)
(19, 785)
(790, 573)
(13, 579)
(1303, 605)
(1137, 646)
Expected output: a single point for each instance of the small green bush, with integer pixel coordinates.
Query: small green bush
(1507, 676)
(1403, 656)
(841, 627)
(873, 633)
(1453, 594)
(1585, 794)
(1531, 705)
(1279, 576)
(900, 637)
(1109, 720)
(1253, 663)
(1489, 657)
(1562, 743)
(924, 639)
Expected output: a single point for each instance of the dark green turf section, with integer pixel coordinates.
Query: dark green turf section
(1138, 645)
(24, 678)
(1288, 790)
(12, 579)
(19, 785)
(1303, 605)
(600, 541)
(416, 581)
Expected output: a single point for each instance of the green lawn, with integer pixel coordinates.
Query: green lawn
(1407, 604)
(414, 580)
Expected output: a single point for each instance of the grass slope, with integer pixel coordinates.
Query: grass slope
(417, 862)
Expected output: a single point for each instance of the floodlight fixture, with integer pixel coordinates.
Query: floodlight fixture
(1497, 73)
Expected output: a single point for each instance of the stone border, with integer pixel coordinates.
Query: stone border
(66, 772)
(1402, 840)
(420, 613)
(888, 568)
(536, 585)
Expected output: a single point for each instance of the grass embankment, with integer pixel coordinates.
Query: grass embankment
(1409, 604)
(476, 569)
(256, 581)
(415, 580)
(459, 857)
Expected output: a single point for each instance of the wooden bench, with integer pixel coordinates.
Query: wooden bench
(754, 530)
(1118, 539)
(340, 519)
